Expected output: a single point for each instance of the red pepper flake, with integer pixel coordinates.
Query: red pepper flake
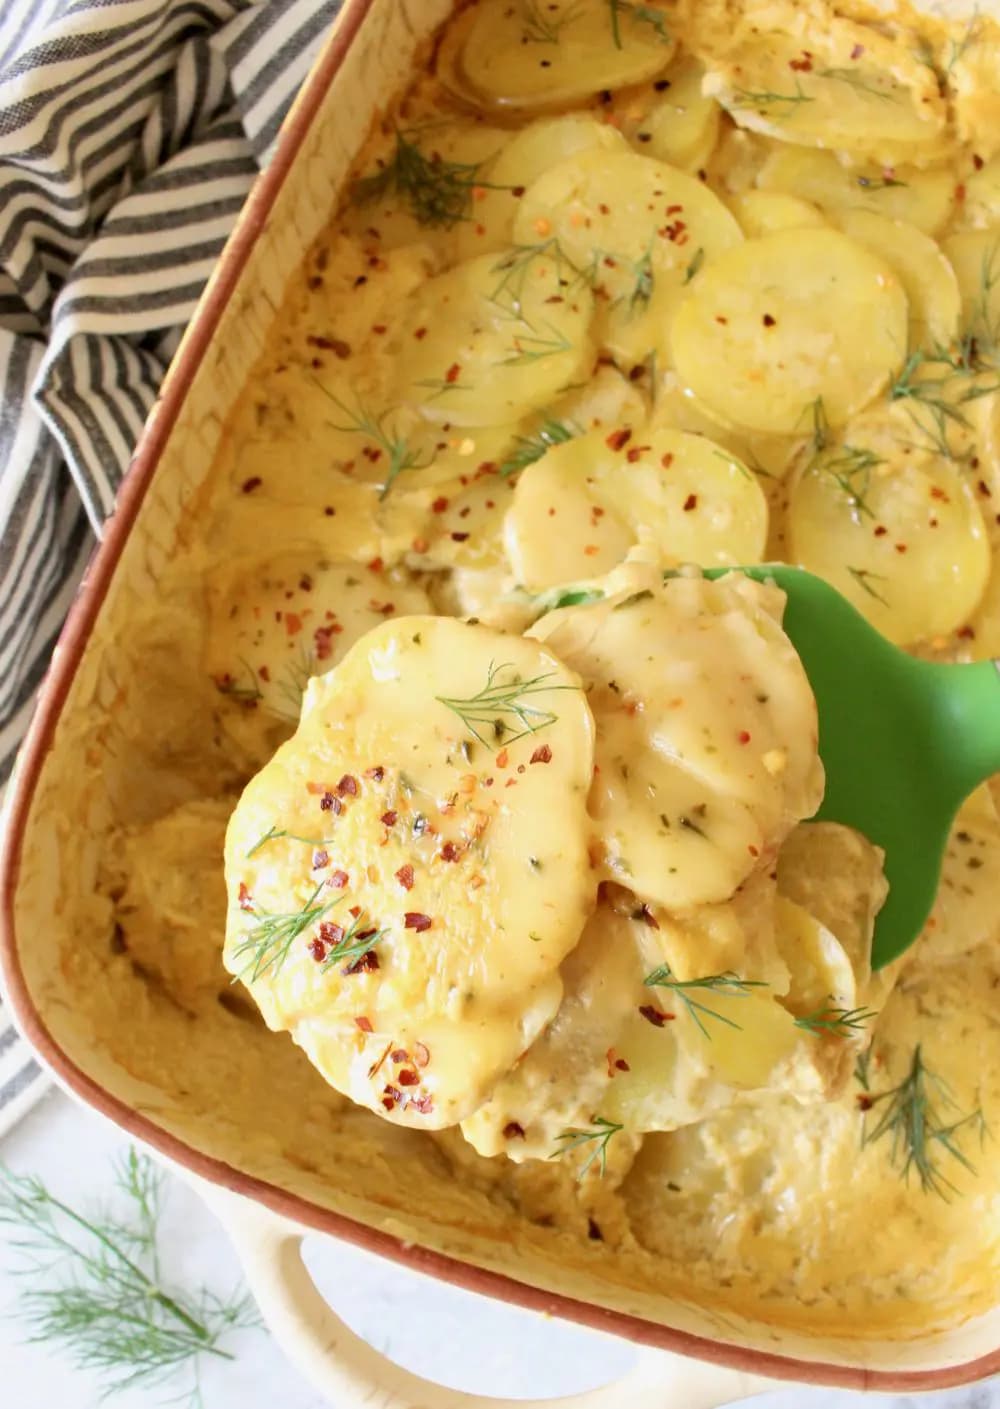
(513, 1131)
(246, 899)
(459, 537)
(977, 161)
(691, 502)
(938, 493)
(364, 1024)
(754, 852)
(743, 736)
(667, 460)
(439, 505)
(414, 920)
(420, 334)
(421, 1055)
(502, 759)
(719, 319)
(449, 852)
(400, 1055)
(331, 933)
(865, 1102)
(423, 1104)
(364, 963)
(960, 192)
(900, 547)
(328, 803)
(376, 565)
(264, 674)
(249, 485)
(622, 1064)
(966, 633)
(322, 637)
(543, 754)
(803, 65)
(880, 530)
(654, 1015)
(320, 859)
(338, 880)
(768, 321)
(388, 819)
(293, 623)
(618, 440)
(408, 1078)
(354, 911)
(317, 949)
(857, 51)
(392, 1097)
(348, 785)
(453, 373)
(376, 774)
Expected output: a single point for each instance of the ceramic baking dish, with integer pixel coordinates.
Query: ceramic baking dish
(224, 1107)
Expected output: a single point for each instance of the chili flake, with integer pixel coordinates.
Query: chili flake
(338, 880)
(513, 1130)
(405, 877)
(414, 920)
(691, 502)
(388, 819)
(618, 440)
(543, 754)
(246, 900)
(364, 1024)
(655, 1015)
(421, 1055)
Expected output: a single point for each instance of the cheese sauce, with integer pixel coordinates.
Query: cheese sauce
(617, 289)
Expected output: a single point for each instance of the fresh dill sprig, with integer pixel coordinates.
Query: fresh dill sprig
(267, 945)
(639, 271)
(515, 268)
(502, 700)
(233, 689)
(92, 1282)
(359, 939)
(834, 1021)
(929, 393)
(727, 985)
(294, 677)
(913, 1118)
(400, 456)
(864, 580)
(879, 183)
(529, 448)
(957, 50)
(856, 80)
(533, 346)
(437, 192)
(697, 260)
(642, 14)
(276, 833)
(747, 98)
(600, 1136)
(850, 467)
(544, 29)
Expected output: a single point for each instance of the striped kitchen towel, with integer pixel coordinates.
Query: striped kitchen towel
(130, 133)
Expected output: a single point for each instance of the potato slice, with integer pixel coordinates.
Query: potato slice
(639, 228)
(766, 212)
(893, 525)
(924, 198)
(495, 337)
(776, 324)
(706, 745)
(671, 120)
(523, 56)
(579, 509)
(387, 815)
(924, 272)
(982, 195)
(975, 258)
(523, 158)
(844, 88)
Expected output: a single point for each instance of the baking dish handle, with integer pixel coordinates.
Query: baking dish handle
(349, 1372)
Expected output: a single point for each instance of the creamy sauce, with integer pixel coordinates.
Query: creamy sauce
(742, 301)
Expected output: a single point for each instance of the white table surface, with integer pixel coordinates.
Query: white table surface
(447, 1336)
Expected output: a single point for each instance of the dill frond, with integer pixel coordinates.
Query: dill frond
(600, 1137)
(400, 456)
(437, 192)
(762, 100)
(266, 946)
(502, 700)
(529, 448)
(727, 985)
(864, 579)
(642, 14)
(835, 1022)
(92, 1283)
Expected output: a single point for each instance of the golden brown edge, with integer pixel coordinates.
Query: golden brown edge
(52, 697)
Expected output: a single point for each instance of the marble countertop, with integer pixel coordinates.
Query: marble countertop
(447, 1336)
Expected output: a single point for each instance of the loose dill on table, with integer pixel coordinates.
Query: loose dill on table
(725, 985)
(502, 700)
(92, 1283)
(914, 1119)
(599, 1137)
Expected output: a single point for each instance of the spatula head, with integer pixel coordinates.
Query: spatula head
(895, 769)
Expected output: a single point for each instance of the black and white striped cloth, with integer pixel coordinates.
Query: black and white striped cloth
(130, 133)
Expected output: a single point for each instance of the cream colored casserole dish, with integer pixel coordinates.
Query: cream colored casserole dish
(129, 772)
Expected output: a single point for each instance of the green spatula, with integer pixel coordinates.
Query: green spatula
(903, 741)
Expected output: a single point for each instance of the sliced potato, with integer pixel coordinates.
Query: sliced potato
(671, 120)
(891, 523)
(538, 55)
(975, 258)
(495, 337)
(393, 767)
(774, 326)
(766, 212)
(982, 195)
(926, 275)
(578, 510)
(639, 228)
(842, 87)
(706, 741)
(522, 160)
(924, 198)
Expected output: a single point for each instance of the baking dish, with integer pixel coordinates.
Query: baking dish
(234, 1117)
